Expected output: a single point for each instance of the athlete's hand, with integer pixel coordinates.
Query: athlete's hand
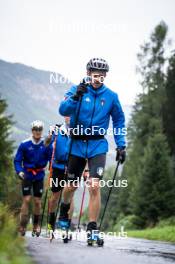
(56, 130)
(21, 175)
(53, 130)
(121, 154)
(81, 90)
(86, 174)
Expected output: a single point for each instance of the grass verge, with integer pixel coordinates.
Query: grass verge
(12, 247)
(166, 233)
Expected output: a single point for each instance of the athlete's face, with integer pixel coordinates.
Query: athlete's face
(97, 78)
(37, 134)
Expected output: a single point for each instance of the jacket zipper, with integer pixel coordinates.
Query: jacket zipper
(93, 111)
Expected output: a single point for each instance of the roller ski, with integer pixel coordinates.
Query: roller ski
(94, 237)
(36, 231)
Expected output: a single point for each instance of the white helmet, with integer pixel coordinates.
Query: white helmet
(37, 124)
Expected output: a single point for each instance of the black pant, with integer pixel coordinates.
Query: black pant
(77, 164)
(36, 186)
(57, 176)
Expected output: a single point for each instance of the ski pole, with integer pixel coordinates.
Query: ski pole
(76, 121)
(48, 183)
(82, 203)
(59, 200)
(71, 142)
(110, 190)
(75, 124)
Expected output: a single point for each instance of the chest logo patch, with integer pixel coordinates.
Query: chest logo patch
(102, 101)
(87, 99)
(31, 148)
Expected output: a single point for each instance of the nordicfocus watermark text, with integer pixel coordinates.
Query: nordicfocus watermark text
(56, 78)
(82, 235)
(91, 182)
(92, 131)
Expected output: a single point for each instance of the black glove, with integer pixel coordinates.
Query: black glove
(81, 89)
(121, 154)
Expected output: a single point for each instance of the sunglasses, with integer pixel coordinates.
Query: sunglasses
(37, 129)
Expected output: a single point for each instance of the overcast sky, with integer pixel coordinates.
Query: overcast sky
(62, 35)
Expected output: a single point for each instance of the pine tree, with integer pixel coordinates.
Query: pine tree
(151, 188)
(155, 195)
(146, 122)
(6, 150)
(169, 105)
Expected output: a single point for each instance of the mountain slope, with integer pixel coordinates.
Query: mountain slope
(30, 96)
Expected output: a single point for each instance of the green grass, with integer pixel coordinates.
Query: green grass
(12, 247)
(166, 233)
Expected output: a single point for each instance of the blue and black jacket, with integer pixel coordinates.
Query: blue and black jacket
(61, 151)
(32, 158)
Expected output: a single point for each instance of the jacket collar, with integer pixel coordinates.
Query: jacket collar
(36, 143)
(97, 91)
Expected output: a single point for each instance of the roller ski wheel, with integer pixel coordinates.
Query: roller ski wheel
(90, 242)
(51, 236)
(65, 240)
(66, 235)
(70, 236)
(100, 242)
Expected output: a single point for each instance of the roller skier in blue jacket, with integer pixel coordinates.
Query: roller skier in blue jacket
(30, 162)
(97, 104)
(59, 166)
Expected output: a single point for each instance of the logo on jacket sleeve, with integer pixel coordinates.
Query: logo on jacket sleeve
(100, 171)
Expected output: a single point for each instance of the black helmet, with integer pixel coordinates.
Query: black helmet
(97, 64)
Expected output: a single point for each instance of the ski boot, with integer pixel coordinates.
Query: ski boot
(93, 235)
(22, 231)
(36, 231)
(51, 232)
(23, 224)
(64, 223)
(36, 227)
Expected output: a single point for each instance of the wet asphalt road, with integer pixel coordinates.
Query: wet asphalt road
(115, 250)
